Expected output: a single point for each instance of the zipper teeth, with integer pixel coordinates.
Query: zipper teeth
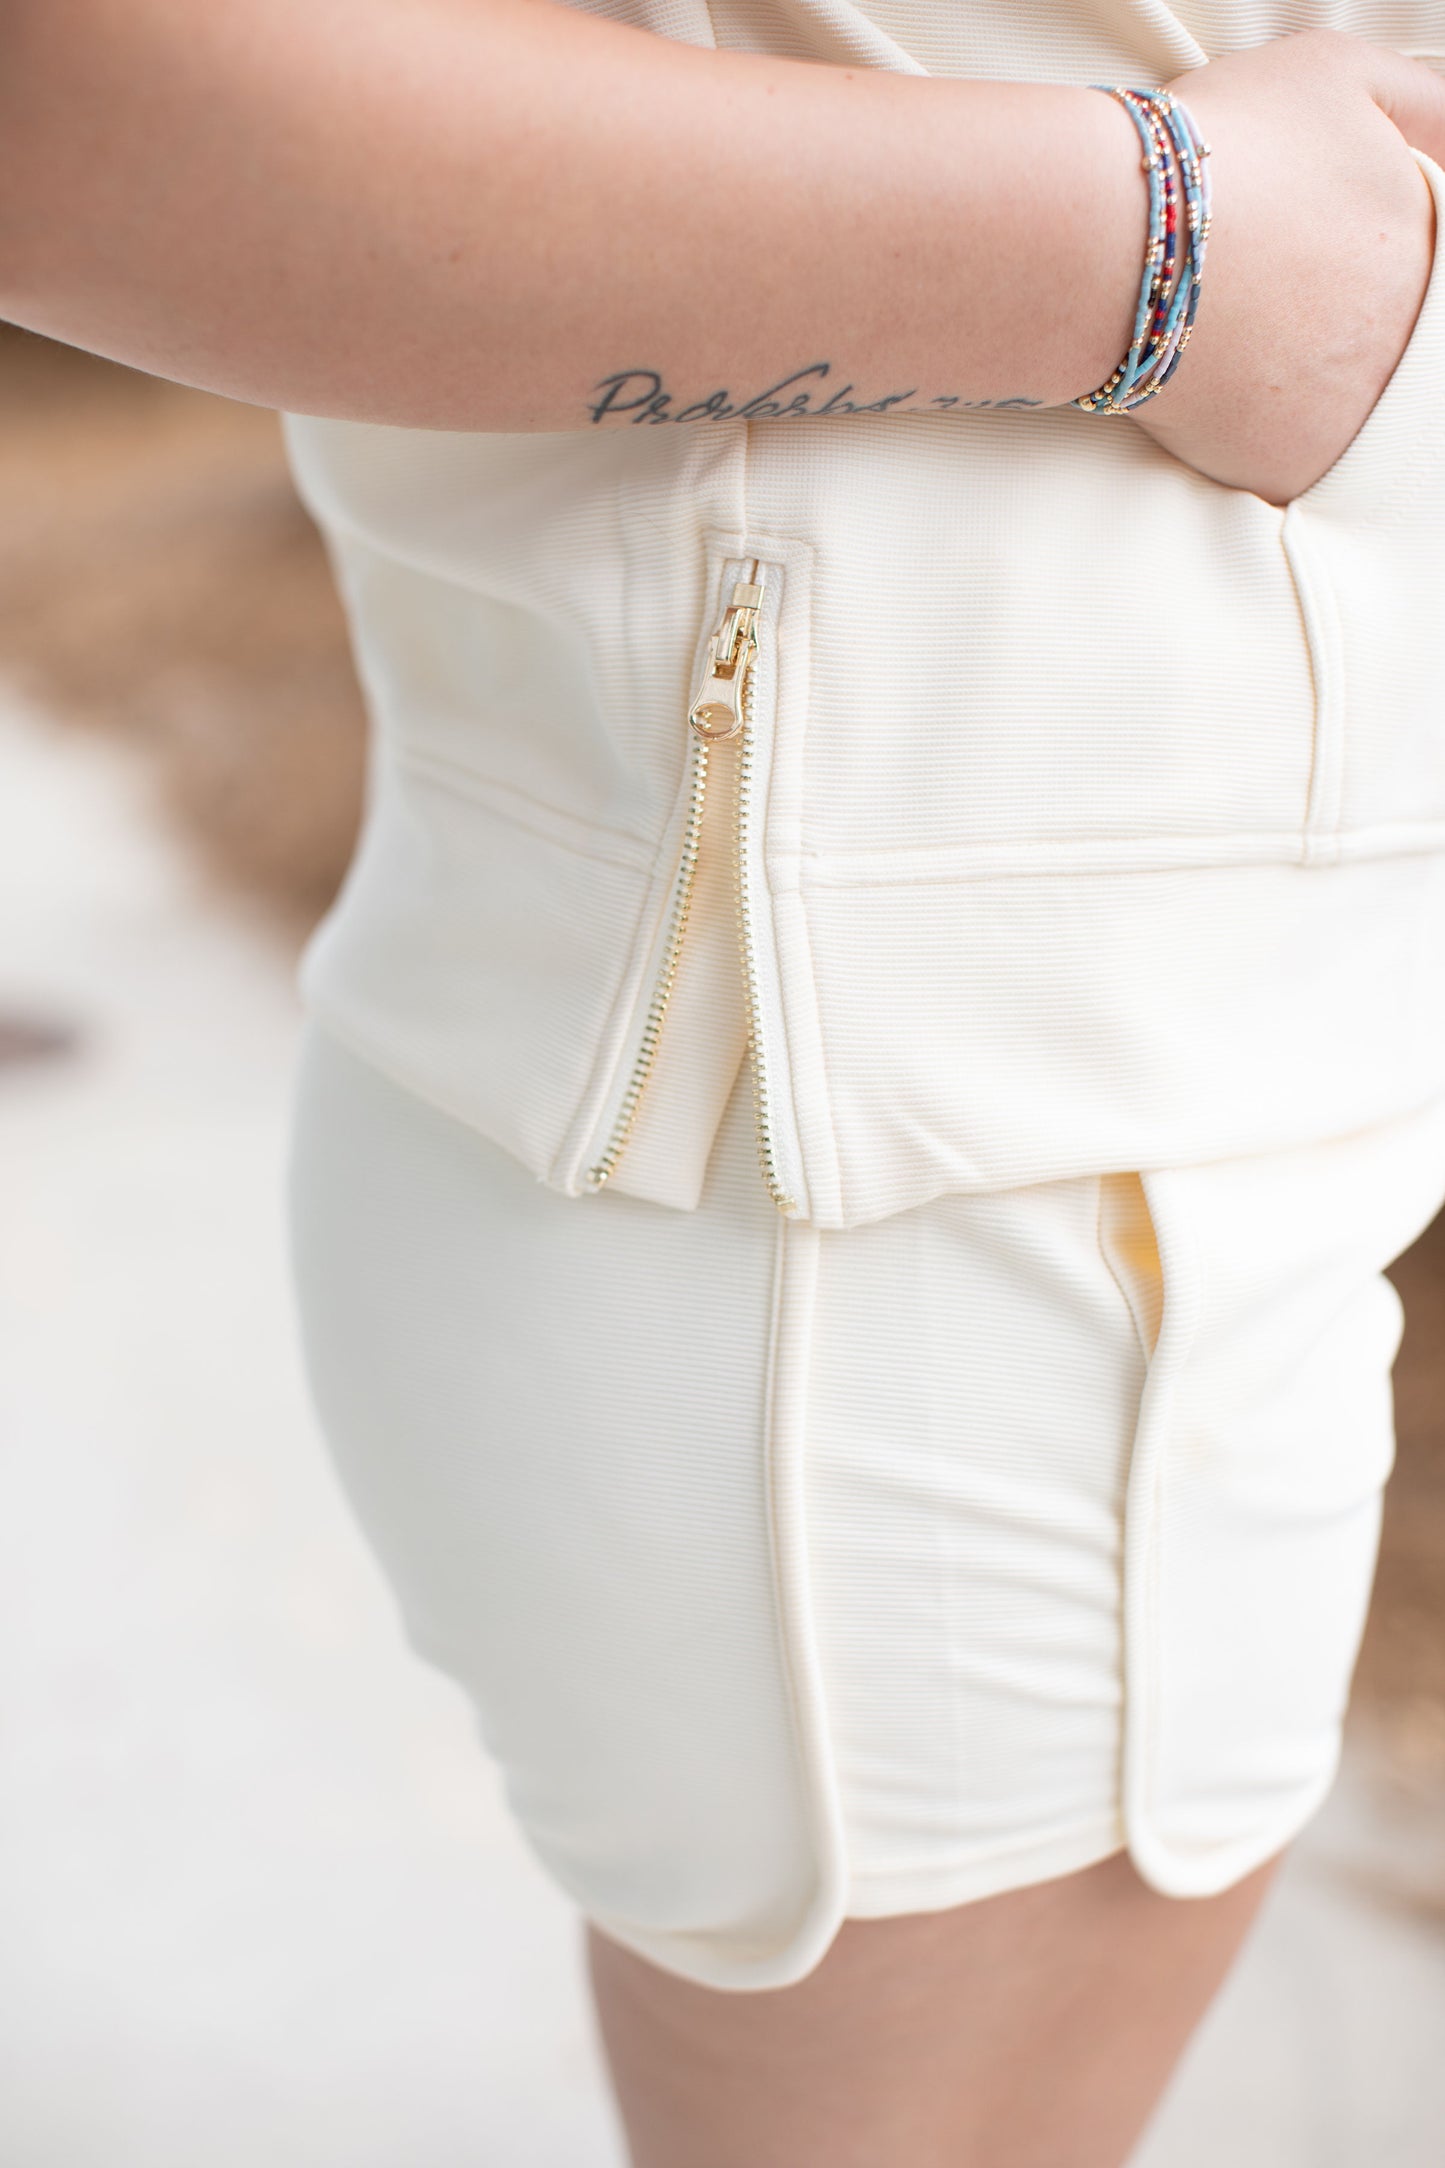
(762, 1114)
(683, 886)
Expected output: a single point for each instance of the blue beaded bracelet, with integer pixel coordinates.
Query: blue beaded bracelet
(1166, 310)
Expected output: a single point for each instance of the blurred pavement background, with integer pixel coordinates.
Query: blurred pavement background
(259, 1895)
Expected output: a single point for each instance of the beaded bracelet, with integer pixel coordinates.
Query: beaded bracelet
(1166, 310)
(1164, 316)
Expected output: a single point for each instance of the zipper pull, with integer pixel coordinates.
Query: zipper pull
(717, 706)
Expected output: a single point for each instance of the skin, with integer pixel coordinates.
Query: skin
(465, 213)
(505, 215)
(1035, 2029)
(1318, 262)
(472, 213)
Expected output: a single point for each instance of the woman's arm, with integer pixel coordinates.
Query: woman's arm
(474, 213)
(505, 214)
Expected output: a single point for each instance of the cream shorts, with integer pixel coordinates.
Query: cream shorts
(796, 1575)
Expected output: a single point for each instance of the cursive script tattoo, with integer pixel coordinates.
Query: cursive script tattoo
(640, 395)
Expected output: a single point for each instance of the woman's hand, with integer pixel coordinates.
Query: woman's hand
(1318, 260)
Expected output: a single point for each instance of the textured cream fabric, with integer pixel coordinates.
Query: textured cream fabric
(796, 1574)
(1018, 1499)
(1050, 880)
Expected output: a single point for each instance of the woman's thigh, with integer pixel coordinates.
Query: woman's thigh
(1033, 2029)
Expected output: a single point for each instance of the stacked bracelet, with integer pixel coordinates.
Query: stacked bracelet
(1174, 160)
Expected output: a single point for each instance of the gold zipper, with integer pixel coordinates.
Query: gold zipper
(721, 708)
(747, 947)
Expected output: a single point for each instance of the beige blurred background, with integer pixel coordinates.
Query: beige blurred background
(181, 765)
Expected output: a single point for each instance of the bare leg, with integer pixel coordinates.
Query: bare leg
(1036, 2029)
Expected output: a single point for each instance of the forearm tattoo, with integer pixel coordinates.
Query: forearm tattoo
(641, 395)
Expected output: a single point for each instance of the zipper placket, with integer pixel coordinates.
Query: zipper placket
(722, 708)
(684, 881)
(747, 941)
